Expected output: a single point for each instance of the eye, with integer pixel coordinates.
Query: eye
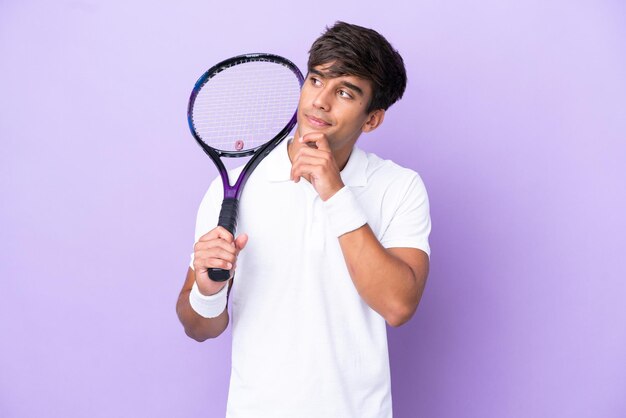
(345, 94)
(315, 81)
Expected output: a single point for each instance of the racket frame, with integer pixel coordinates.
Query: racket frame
(230, 204)
(258, 153)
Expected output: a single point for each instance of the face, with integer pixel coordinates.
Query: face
(336, 106)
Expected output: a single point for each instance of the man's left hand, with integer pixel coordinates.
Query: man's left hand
(314, 161)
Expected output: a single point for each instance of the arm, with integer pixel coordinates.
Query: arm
(391, 281)
(197, 327)
(218, 249)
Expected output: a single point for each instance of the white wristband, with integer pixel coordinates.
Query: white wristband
(208, 306)
(344, 213)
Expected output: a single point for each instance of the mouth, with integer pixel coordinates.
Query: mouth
(317, 122)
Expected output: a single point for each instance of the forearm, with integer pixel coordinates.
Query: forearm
(196, 326)
(386, 283)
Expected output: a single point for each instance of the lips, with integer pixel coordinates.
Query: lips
(317, 122)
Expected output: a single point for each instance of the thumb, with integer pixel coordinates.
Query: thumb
(241, 241)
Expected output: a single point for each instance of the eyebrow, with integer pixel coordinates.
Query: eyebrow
(347, 84)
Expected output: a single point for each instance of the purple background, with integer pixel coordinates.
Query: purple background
(515, 116)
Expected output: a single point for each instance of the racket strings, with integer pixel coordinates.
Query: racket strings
(246, 105)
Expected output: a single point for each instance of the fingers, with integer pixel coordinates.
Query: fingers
(214, 257)
(311, 162)
(314, 152)
(317, 165)
(240, 242)
(317, 146)
(218, 232)
(214, 245)
(216, 252)
(316, 139)
(204, 263)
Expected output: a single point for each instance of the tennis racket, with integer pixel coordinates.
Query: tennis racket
(243, 106)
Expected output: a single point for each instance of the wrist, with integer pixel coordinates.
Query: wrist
(344, 213)
(208, 306)
(330, 193)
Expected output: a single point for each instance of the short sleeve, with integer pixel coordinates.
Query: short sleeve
(208, 212)
(410, 224)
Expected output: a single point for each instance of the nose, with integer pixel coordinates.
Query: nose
(322, 99)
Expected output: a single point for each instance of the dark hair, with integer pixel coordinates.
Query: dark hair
(362, 52)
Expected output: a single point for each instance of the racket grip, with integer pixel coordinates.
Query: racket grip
(228, 214)
(228, 220)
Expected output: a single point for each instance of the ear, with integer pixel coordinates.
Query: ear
(374, 120)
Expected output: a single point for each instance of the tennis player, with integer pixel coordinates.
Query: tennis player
(334, 246)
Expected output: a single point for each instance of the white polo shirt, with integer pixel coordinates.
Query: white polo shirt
(305, 345)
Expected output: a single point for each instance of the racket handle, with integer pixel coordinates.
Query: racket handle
(228, 220)
(228, 214)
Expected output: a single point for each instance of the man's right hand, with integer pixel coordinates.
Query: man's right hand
(216, 249)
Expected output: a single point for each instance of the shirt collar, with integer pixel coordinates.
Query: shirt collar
(278, 165)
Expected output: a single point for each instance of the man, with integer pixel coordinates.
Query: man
(335, 246)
